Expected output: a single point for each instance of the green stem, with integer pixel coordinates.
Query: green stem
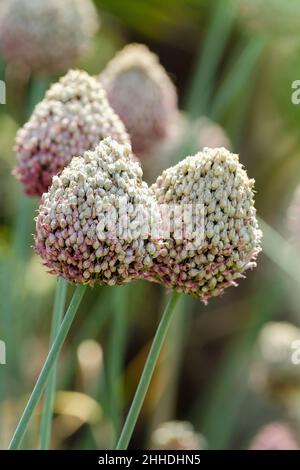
(58, 311)
(147, 373)
(47, 368)
(116, 350)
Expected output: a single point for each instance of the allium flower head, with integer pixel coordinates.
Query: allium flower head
(176, 435)
(76, 231)
(273, 364)
(142, 94)
(46, 34)
(275, 436)
(216, 182)
(73, 117)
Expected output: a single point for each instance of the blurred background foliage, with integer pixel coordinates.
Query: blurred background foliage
(238, 73)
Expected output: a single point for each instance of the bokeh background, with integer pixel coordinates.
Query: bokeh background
(233, 62)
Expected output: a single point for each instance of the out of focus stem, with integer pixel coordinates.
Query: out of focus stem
(47, 368)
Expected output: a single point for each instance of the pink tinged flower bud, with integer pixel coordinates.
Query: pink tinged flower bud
(142, 94)
(88, 247)
(215, 182)
(46, 35)
(275, 436)
(72, 118)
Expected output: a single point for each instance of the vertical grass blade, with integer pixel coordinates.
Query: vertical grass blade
(147, 373)
(58, 311)
(47, 368)
(201, 89)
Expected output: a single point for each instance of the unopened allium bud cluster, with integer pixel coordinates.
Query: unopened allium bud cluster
(142, 94)
(46, 34)
(73, 117)
(73, 236)
(216, 179)
(72, 245)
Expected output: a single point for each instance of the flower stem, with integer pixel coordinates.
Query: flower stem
(147, 373)
(46, 370)
(58, 311)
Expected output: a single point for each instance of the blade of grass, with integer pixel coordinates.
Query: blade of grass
(239, 76)
(47, 368)
(228, 390)
(145, 380)
(58, 311)
(281, 252)
(201, 88)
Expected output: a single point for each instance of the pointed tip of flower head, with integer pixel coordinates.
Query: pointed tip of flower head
(229, 238)
(72, 118)
(41, 35)
(142, 94)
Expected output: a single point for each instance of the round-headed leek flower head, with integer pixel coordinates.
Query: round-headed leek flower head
(142, 94)
(275, 436)
(89, 227)
(274, 369)
(46, 35)
(72, 118)
(214, 235)
(176, 435)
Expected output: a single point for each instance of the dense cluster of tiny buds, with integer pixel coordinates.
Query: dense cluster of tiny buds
(77, 206)
(274, 367)
(176, 435)
(215, 179)
(142, 94)
(46, 35)
(72, 118)
(70, 236)
(275, 436)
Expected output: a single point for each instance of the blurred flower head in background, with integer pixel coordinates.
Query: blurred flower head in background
(142, 94)
(275, 436)
(274, 370)
(210, 134)
(46, 35)
(73, 117)
(215, 179)
(198, 134)
(177, 435)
